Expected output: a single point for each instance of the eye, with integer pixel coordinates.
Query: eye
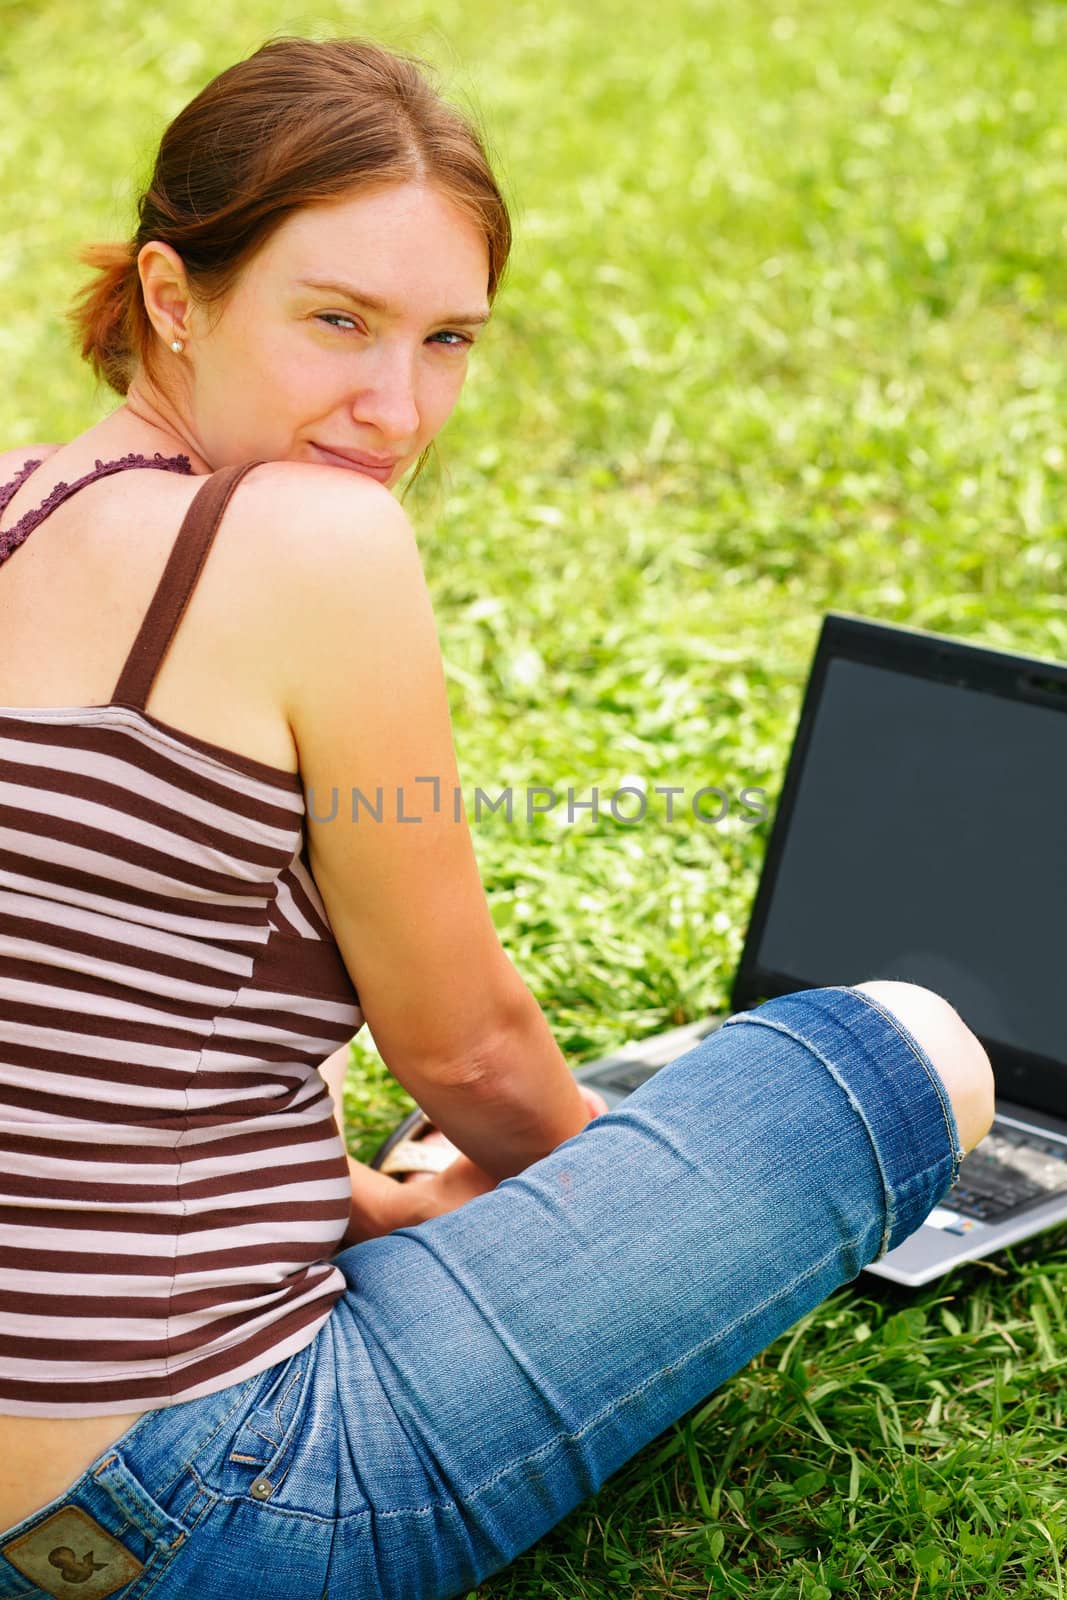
(463, 338)
(325, 316)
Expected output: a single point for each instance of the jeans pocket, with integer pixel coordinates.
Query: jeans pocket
(262, 1447)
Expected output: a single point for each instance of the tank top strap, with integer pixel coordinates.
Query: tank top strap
(183, 568)
(11, 538)
(7, 491)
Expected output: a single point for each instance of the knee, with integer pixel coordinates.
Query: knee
(957, 1054)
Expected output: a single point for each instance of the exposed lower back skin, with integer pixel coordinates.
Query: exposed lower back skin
(958, 1056)
(41, 1456)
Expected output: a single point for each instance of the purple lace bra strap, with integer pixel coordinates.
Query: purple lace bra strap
(11, 538)
(183, 568)
(8, 489)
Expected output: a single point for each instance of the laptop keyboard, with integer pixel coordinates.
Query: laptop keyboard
(1009, 1169)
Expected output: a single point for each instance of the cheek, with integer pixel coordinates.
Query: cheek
(296, 367)
(263, 392)
(283, 368)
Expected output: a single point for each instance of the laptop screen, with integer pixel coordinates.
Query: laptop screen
(927, 841)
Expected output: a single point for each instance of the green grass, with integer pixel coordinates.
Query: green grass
(783, 331)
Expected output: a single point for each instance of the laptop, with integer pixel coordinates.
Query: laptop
(921, 834)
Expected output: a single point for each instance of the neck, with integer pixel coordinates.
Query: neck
(154, 425)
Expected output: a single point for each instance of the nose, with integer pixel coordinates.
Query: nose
(387, 400)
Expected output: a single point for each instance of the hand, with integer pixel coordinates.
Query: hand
(438, 1192)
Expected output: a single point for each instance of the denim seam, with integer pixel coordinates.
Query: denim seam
(278, 1449)
(295, 1379)
(276, 1444)
(261, 1505)
(675, 1367)
(137, 1514)
(887, 1188)
(209, 1501)
(151, 1576)
(206, 1440)
(123, 1444)
(913, 1046)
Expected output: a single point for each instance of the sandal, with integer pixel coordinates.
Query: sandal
(403, 1151)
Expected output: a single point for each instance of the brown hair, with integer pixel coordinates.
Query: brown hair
(299, 122)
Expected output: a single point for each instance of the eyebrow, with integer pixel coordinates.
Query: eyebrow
(373, 302)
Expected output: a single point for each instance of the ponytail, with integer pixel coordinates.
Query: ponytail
(104, 316)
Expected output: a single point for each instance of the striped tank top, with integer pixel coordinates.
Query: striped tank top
(173, 1183)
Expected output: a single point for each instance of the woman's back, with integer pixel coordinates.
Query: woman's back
(73, 597)
(305, 625)
(171, 986)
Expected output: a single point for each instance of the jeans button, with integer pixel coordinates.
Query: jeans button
(261, 1489)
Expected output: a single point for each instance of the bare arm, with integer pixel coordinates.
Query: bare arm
(452, 1018)
(380, 1203)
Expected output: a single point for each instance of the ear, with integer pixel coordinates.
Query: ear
(165, 288)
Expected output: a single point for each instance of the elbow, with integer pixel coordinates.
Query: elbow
(487, 1063)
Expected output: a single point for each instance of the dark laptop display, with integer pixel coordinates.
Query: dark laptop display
(921, 835)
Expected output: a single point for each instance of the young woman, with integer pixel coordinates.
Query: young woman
(234, 1361)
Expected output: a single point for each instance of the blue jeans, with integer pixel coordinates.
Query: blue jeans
(487, 1370)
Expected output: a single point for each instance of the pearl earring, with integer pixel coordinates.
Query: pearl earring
(177, 346)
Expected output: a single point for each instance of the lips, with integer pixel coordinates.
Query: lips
(370, 466)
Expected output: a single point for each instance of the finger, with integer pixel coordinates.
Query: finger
(593, 1100)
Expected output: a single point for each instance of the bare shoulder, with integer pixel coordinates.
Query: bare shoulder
(304, 516)
(312, 546)
(303, 527)
(12, 461)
